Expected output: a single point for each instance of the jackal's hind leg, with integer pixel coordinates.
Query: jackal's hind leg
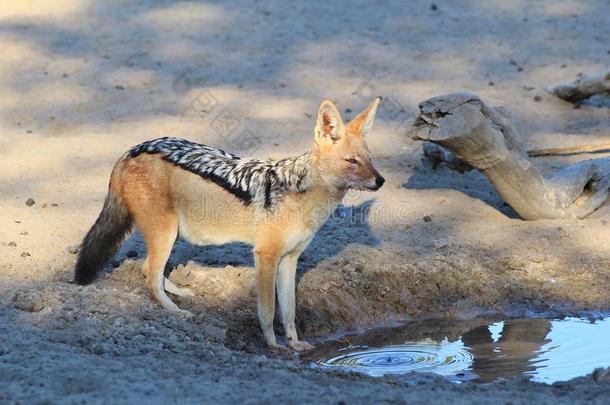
(167, 284)
(174, 289)
(160, 238)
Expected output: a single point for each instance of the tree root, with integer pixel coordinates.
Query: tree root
(484, 139)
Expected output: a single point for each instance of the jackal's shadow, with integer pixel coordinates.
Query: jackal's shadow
(347, 224)
(472, 183)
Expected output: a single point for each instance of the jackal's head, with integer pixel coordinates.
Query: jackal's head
(344, 160)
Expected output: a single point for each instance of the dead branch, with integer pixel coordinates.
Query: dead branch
(569, 150)
(483, 138)
(583, 88)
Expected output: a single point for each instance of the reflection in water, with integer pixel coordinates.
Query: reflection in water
(513, 353)
(545, 350)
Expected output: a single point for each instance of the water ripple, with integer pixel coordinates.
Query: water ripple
(439, 357)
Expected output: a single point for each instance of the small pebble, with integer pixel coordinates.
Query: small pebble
(348, 110)
(119, 87)
(74, 249)
(132, 253)
(25, 254)
(12, 244)
(440, 243)
(23, 233)
(30, 201)
(37, 305)
(214, 332)
(491, 84)
(54, 205)
(433, 7)
(427, 218)
(537, 98)
(29, 131)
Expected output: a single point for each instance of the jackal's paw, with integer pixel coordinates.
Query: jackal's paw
(300, 345)
(279, 351)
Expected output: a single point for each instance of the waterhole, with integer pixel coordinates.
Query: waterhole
(544, 350)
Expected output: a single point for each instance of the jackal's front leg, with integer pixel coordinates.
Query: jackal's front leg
(286, 291)
(267, 261)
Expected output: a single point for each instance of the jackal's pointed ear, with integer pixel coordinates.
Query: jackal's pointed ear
(329, 126)
(363, 123)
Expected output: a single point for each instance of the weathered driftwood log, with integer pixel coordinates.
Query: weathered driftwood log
(483, 138)
(584, 87)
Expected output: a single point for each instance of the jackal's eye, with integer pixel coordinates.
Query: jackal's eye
(351, 161)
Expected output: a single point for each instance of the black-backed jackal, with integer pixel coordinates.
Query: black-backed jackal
(169, 187)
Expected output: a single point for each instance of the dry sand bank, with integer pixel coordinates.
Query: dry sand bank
(83, 81)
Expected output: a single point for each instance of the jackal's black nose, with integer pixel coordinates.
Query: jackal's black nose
(379, 181)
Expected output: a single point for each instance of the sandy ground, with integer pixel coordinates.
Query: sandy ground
(81, 82)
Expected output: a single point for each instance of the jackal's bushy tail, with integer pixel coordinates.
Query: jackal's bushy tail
(103, 239)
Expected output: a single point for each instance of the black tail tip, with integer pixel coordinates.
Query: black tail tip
(84, 278)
